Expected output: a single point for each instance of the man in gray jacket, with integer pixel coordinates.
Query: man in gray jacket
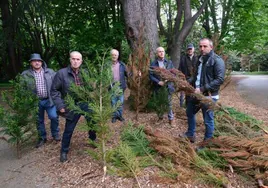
(39, 79)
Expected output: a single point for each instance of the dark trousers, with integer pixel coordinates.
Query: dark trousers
(70, 125)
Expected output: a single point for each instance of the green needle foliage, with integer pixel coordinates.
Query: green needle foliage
(213, 158)
(18, 114)
(136, 139)
(96, 92)
(231, 122)
(159, 102)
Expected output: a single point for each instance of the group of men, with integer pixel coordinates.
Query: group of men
(205, 73)
(51, 88)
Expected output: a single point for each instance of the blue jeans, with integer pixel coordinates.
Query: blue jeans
(170, 112)
(70, 124)
(182, 96)
(44, 105)
(208, 115)
(119, 111)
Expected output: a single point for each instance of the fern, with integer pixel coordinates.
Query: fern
(135, 138)
(126, 159)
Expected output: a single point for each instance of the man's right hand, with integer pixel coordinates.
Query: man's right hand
(62, 110)
(161, 83)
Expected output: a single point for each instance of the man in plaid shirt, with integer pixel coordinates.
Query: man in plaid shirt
(42, 77)
(59, 90)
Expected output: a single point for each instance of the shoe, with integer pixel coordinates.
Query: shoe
(40, 143)
(63, 157)
(57, 138)
(120, 118)
(190, 138)
(113, 120)
(171, 122)
(92, 135)
(160, 118)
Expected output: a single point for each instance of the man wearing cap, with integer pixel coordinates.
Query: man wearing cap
(187, 64)
(39, 79)
(59, 90)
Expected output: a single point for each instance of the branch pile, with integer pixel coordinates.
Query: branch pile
(188, 164)
(180, 84)
(249, 155)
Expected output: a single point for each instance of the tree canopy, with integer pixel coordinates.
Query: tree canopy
(54, 28)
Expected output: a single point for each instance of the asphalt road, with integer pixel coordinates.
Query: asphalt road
(254, 89)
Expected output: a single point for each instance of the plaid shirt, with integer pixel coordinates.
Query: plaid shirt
(77, 80)
(40, 83)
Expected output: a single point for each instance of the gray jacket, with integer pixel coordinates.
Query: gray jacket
(49, 74)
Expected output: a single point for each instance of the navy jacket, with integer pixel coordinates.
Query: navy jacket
(123, 75)
(155, 78)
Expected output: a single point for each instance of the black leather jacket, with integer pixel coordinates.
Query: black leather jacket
(212, 74)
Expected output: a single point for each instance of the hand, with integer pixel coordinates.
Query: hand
(62, 110)
(139, 73)
(161, 83)
(197, 90)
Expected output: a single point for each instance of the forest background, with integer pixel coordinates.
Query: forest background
(54, 28)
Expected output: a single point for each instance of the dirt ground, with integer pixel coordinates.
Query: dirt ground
(41, 167)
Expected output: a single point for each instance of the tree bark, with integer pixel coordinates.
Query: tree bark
(141, 23)
(9, 25)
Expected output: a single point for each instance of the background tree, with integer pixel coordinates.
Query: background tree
(180, 21)
(141, 23)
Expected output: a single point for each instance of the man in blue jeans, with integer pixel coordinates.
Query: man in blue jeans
(119, 75)
(209, 75)
(59, 90)
(39, 79)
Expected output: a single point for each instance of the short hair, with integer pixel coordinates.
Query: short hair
(159, 48)
(75, 52)
(114, 50)
(209, 40)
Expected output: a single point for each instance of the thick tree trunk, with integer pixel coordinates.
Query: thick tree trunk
(9, 29)
(141, 23)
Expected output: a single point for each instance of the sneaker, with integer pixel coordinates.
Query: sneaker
(190, 138)
(171, 122)
(40, 143)
(63, 157)
(120, 118)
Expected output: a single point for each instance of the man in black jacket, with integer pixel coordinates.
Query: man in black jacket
(59, 89)
(187, 65)
(209, 76)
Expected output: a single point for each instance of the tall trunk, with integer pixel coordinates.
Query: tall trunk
(141, 23)
(9, 32)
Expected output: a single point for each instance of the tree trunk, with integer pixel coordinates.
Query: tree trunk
(9, 30)
(141, 23)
